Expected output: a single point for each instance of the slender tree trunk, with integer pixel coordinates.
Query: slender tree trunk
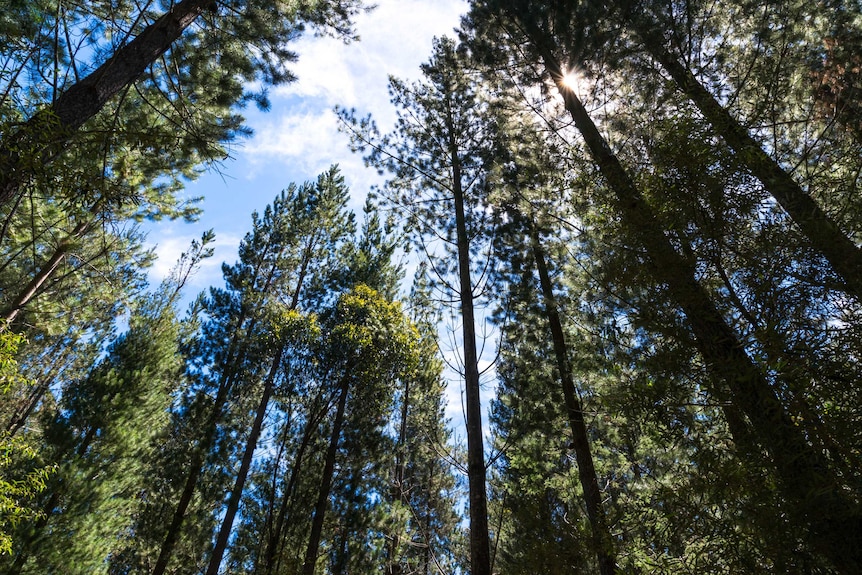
(580, 439)
(242, 474)
(195, 469)
(43, 137)
(198, 455)
(396, 493)
(270, 564)
(234, 356)
(480, 550)
(822, 232)
(257, 426)
(23, 412)
(834, 522)
(325, 482)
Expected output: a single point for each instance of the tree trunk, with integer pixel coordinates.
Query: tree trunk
(272, 548)
(43, 137)
(580, 439)
(325, 482)
(834, 522)
(196, 464)
(234, 355)
(397, 492)
(242, 474)
(251, 443)
(195, 469)
(824, 235)
(480, 551)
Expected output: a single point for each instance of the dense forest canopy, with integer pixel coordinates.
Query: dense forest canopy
(652, 205)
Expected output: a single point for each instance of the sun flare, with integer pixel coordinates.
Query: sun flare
(571, 79)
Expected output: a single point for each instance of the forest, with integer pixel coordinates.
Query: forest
(647, 212)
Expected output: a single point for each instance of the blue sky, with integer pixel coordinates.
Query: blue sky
(298, 138)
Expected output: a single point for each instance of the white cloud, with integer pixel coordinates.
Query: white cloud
(302, 137)
(395, 38)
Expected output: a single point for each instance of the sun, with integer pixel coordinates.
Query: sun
(571, 80)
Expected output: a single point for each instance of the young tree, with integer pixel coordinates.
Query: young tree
(313, 233)
(302, 227)
(368, 344)
(437, 156)
(103, 431)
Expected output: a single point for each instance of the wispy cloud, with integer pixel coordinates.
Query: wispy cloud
(396, 38)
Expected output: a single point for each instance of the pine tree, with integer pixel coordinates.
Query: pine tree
(437, 157)
(749, 393)
(174, 54)
(103, 430)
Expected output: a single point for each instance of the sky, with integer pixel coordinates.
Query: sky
(298, 138)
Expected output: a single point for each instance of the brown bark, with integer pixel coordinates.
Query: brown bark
(42, 137)
(234, 356)
(195, 468)
(271, 558)
(580, 439)
(26, 295)
(242, 474)
(257, 425)
(480, 549)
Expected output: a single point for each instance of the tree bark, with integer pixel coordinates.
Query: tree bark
(257, 425)
(47, 270)
(580, 439)
(196, 464)
(325, 482)
(480, 550)
(242, 474)
(271, 565)
(822, 232)
(44, 135)
(234, 354)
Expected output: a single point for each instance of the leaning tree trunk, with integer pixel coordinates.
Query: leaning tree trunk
(272, 557)
(242, 474)
(200, 452)
(234, 358)
(580, 439)
(822, 232)
(833, 521)
(325, 482)
(29, 291)
(257, 426)
(44, 135)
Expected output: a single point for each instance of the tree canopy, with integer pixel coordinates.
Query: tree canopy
(648, 210)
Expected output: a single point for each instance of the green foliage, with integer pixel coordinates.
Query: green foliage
(21, 478)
